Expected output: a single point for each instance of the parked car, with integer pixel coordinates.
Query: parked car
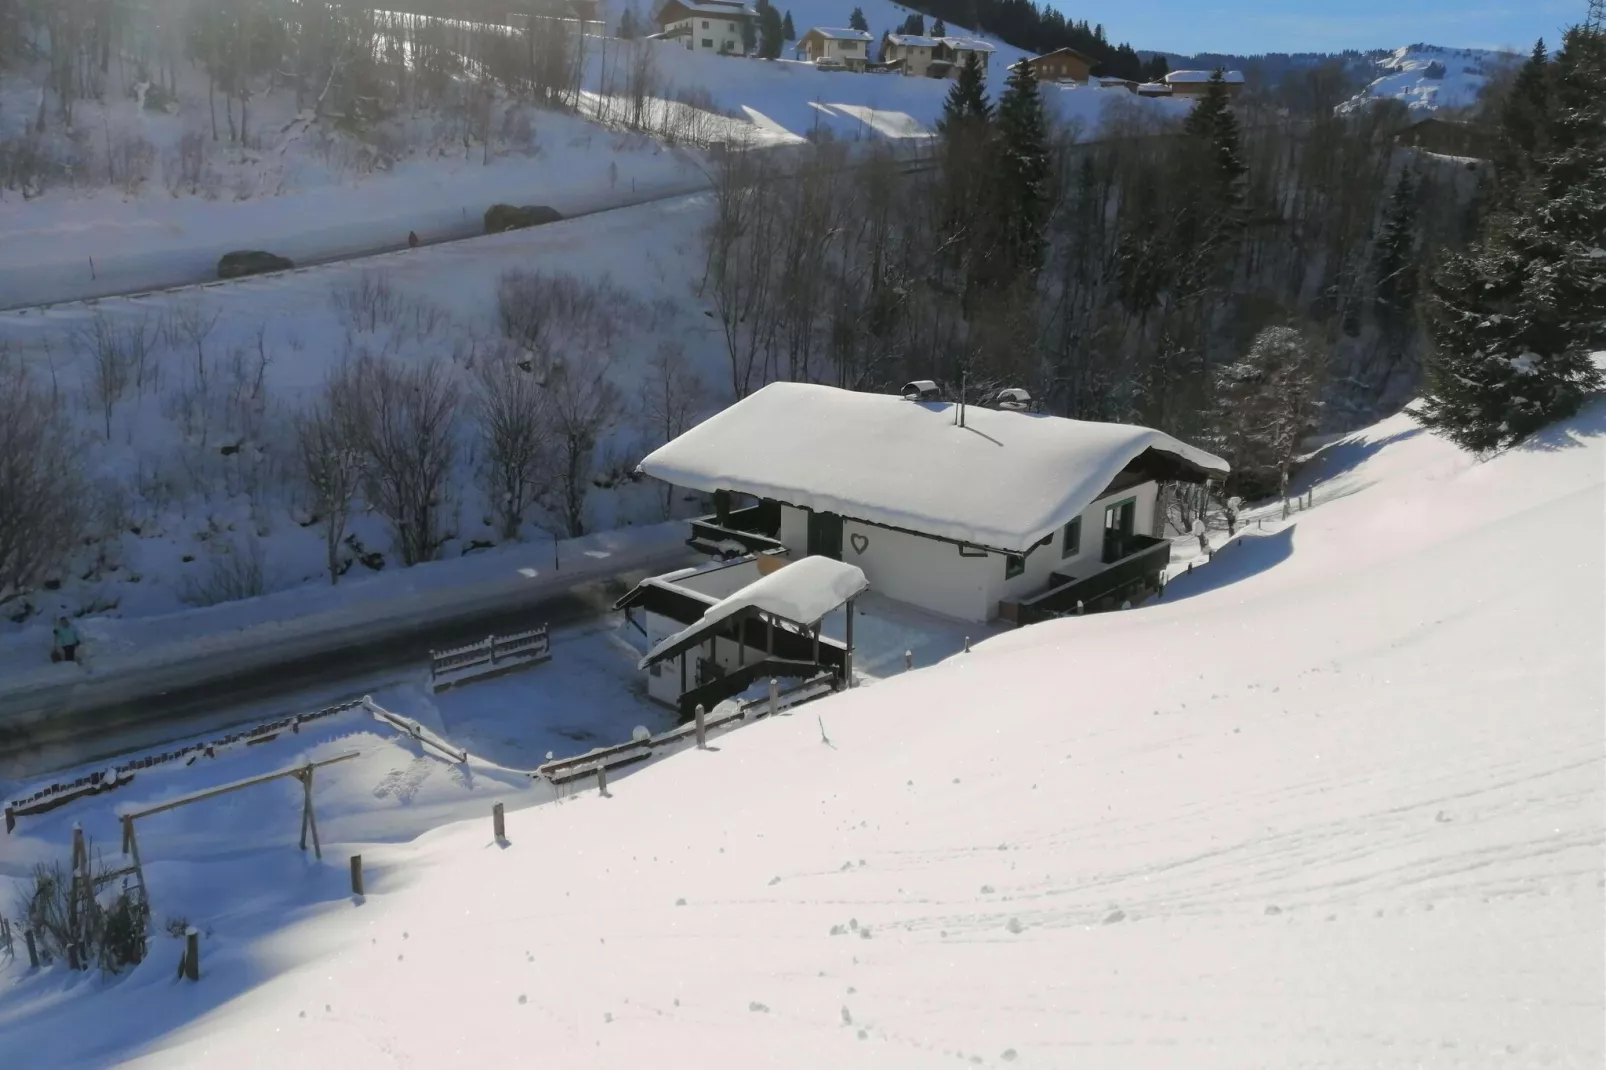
(500, 217)
(830, 63)
(251, 262)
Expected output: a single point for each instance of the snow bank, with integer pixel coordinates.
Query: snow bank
(1345, 809)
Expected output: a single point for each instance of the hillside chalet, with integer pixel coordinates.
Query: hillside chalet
(833, 45)
(1062, 65)
(705, 25)
(1195, 83)
(934, 57)
(970, 512)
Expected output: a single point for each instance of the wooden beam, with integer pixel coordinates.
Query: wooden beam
(238, 784)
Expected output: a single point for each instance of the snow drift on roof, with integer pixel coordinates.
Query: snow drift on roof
(967, 44)
(802, 593)
(909, 40)
(1235, 77)
(1004, 480)
(720, 9)
(837, 33)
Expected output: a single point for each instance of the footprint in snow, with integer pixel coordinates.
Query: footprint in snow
(1114, 916)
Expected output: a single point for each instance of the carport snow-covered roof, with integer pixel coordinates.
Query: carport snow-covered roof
(800, 593)
(1003, 481)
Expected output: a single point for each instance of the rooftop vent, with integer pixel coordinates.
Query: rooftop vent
(1013, 398)
(921, 390)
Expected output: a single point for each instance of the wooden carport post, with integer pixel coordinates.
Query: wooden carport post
(847, 659)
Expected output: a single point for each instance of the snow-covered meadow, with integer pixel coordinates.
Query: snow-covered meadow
(1337, 800)
(192, 456)
(1428, 78)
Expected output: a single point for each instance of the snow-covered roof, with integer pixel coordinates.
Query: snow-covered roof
(968, 44)
(802, 593)
(1234, 77)
(720, 9)
(837, 33)
(1005, 480)
(909, 40)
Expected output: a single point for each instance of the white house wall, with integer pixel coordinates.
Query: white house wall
(932, 574)
(720, 34)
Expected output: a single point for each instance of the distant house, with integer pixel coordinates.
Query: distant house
(1116, 83)
(1194, 83)
(1062, 65)
(934, 57)
(1153, 89)
(1449, 137)
(706, 25)
(832, 44)
(973, 515)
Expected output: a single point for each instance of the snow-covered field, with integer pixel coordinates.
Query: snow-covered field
(1429, 78)
(1337, 801)
(180, 501)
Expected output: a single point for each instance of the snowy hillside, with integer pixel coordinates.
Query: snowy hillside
(1337, 801)
(1430, 78)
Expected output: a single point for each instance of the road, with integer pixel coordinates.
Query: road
(74, 724)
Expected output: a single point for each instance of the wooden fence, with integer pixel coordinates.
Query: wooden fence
(491, 656)
(560, 771)
(63, 792)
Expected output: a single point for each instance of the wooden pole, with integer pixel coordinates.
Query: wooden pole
(775, 696)
(310, 819)
(192, 953)
(602, 780)
(702, 726)
(967, 644)
(499, 822)
(908, 660)
(356, 875)
(11, 819)
(33, 950)
(847, 660)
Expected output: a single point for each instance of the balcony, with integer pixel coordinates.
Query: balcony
(1139, 565)
(734, 532)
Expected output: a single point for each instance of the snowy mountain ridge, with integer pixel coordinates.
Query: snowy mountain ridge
(1429, 78)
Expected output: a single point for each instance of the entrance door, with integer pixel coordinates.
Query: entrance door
(1120, 520)
(825, 534)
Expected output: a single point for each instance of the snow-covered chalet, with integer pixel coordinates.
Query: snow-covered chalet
(968, 511)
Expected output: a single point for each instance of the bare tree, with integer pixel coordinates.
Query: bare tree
(408, 432)
(41, 487)
(670, 396)
(511, 410)
(584, 405)
(329, 450)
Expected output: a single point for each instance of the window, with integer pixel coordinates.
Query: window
(850, 46)
(708, 42)
(705, 24)
(1073, 539)
(1014, 565)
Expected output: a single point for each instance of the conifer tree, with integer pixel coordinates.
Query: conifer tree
(1396, 266)
(771, 33)
(1023, 173)
(787, 29)
(857, 21)
(1516, 318)
(627, 25)
(1212, 121)
(967, 98)
(939, 28)
(1523, 117)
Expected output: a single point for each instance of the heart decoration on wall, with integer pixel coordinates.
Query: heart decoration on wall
(860, 542)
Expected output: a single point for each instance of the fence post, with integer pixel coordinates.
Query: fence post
(602, 780)
(356, 874)
(491, 640)
(702, 727)
(11, 819)
(192, 953)
(33, 950)
(1080, 609)
(775, 696)
(908, 660)
(967, 644)
(499, 822)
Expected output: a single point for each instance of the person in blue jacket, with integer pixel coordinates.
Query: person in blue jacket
(66, 637)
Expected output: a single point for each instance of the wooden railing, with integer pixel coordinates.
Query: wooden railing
(1142, 568)
(492, 655)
